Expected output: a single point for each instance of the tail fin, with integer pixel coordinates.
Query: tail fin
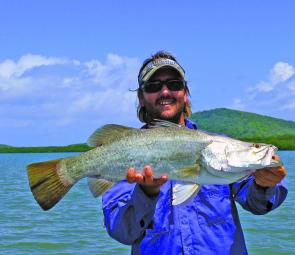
(45, 183)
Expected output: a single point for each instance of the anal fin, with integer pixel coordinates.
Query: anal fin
(98, 186)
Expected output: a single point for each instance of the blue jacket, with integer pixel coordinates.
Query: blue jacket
(207, 224)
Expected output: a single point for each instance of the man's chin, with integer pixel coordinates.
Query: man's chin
(167, 115)
(170, 117)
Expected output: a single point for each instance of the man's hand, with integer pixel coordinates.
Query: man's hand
(269, 177)
(150, 185)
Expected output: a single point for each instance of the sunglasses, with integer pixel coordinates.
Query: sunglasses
(156, 86)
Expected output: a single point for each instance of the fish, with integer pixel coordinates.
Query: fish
(193, 157)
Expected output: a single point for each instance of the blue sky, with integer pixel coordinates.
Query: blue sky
(66, 66)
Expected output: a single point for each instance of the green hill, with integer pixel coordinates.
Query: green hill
(248, 126)
(4, 146)
(237, 124)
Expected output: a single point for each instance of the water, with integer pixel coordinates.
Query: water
(75, 225)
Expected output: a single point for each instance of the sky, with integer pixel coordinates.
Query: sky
(67, 67)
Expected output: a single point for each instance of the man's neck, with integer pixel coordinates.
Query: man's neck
(180, 120)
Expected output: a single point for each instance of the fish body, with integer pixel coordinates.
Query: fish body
(191, 156)
(165, 149)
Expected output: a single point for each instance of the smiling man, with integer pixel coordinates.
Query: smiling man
(164, 95)
(139, 211)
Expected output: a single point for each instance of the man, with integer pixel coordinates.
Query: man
(141, 214)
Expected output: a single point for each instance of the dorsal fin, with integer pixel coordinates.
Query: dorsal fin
(108, 134)
(98, 186)
(156, 123)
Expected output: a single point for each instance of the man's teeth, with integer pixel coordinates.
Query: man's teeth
(165, 102)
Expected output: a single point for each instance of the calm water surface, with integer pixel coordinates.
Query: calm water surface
(75, 225)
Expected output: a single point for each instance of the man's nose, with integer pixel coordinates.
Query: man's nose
(165, 90)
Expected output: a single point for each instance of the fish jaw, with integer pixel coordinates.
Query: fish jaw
(220, 177)
(270, 161)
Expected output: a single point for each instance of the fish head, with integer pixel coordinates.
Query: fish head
(232, 155)
(247, 155)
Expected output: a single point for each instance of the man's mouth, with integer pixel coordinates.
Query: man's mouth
(166, 101)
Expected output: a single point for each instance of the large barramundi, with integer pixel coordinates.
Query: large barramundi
(191, 156)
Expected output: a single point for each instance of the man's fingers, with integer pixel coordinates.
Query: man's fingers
(263, 183)
(266, 177)
(148, 174)
(131, 172)
(161, 180)
(146, 177)
(139, 178)
(276, 157)
(148, 171)
(279, 171)
(269, 177)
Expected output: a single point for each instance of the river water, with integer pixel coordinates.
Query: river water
(75, 225)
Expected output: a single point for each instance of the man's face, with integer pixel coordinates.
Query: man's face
(165, 104)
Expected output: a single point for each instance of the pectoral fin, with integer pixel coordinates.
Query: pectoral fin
(189, 171)
(184, 192)
(98, 186)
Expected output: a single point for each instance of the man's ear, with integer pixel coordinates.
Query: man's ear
(185, 97)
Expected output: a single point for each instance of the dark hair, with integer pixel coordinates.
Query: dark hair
(141, 111)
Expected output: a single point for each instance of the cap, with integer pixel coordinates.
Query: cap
(155, 65)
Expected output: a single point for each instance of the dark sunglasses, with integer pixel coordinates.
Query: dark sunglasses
(156, 86)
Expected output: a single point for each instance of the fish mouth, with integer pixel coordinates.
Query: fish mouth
(272, 151)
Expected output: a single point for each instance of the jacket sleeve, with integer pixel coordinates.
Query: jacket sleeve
(127, 212)
(257, 199)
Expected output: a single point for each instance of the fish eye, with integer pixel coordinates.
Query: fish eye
(256, 145)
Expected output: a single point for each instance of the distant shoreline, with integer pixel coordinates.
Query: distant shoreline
(69, 148)
(45, 149)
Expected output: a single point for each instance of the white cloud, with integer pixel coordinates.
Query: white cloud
(290, 105)
(13, 78)
(117, 71)
(18, 85)
(15, 123)
(273, 95)
(69, 93)
(9, 68)
(291, 87)
(238, 104)
(279, 74)
(264, 86)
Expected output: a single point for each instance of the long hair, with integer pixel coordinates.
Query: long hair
(141, 111)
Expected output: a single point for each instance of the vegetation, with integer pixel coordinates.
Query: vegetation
(237, 124)
(248, 127)
(70, 148)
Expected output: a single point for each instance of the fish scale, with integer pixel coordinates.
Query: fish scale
(193, 157)
(112, 162)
